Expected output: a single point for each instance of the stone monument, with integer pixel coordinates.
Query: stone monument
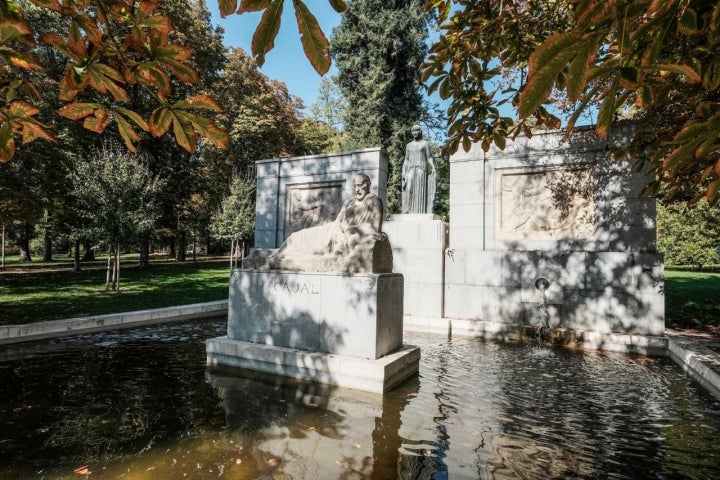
(324, 306)
(552, 232)
(418, 186)
(352, 243)
(419, 238)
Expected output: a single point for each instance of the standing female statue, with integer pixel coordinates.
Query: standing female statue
(418, 187)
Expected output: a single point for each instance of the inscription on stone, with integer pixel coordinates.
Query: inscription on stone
(296, 287)
(547, 203)
(312, 204)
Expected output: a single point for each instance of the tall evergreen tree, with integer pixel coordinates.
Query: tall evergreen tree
(378, 49)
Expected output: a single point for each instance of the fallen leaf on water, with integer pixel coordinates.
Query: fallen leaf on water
(84, 470)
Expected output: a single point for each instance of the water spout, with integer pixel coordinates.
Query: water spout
(542, 333)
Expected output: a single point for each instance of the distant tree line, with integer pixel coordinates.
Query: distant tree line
(86, 192)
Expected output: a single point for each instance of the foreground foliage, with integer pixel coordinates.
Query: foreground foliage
(656, 58)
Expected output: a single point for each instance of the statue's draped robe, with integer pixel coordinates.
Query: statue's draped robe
(419, 189)
(333, 237)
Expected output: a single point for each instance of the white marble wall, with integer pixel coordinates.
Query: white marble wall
(610, 280)
(276, 176)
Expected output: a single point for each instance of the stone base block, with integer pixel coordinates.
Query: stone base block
(378, 375)
(358, 315)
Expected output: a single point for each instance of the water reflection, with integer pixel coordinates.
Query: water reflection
(141, 405)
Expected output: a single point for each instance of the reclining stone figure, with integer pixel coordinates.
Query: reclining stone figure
(353, 243)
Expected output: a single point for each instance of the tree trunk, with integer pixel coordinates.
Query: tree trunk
(144, 251)
(181, 247)
(109, 273)
(47, 247)
(76, 257)
(117, 268)
(24, 243)
(194, 247)
(89, 254)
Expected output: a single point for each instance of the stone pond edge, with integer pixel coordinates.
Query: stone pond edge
(689, 352)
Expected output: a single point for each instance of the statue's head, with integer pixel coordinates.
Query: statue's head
(416, 132)
(361, 184)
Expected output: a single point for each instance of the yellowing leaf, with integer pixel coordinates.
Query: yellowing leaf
(160, 121)
(98, 121)
(227, 7)
(264, 37)
(255, 5)
(184, 134)
(315, 45)
(202, 102)
(33, 130)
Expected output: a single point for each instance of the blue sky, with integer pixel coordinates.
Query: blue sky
(286, 62)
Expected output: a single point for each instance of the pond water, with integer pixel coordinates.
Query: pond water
(140, 404)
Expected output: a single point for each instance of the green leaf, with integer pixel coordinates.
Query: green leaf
(606, 113)
(264, 37)
(687, 25)
(338, 5)
(546, 63)
(7, 143)
(127, 132)
(160, 121)
(315, 45)
(691, 76)
(184, 133)
(135, 117)
(577, 74)
(208, 129)
(629, 77)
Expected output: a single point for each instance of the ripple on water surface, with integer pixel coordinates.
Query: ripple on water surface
(140, 404)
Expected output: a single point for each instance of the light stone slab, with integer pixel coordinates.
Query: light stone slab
(418, 242)
(373, 375)
(357, 315)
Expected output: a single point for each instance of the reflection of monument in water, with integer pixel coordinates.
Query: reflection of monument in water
(324, 306)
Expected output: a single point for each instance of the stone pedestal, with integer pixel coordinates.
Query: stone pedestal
(418, 244)
(338, 329)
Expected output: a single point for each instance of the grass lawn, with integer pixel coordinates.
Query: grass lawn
(54, 291)
(692, 300)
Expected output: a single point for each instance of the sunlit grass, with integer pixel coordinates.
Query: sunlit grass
(31, 296)
(692, 299)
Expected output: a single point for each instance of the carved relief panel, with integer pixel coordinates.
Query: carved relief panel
(311, 204)
(545, 203)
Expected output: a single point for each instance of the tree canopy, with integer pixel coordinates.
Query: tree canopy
(378, 48)
(657, 59)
